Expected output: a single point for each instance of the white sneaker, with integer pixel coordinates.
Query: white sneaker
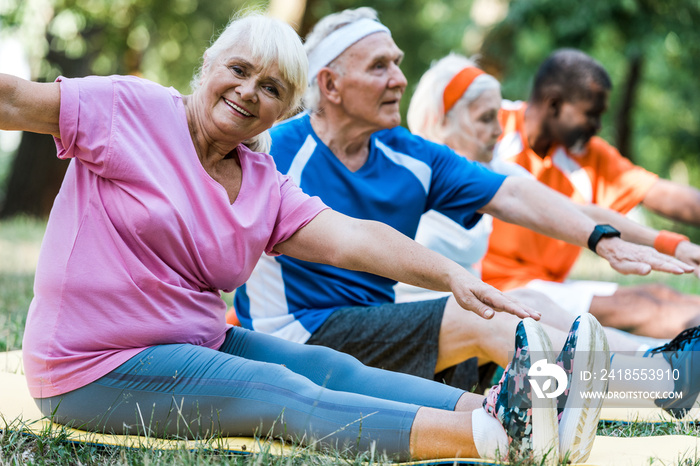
(530, 421)
(584, 358)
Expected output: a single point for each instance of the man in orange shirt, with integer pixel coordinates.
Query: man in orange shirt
(553, 136)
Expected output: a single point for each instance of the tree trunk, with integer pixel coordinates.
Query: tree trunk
(623, 121)
(35, 178)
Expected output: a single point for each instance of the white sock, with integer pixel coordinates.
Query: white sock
(489, 435)
(652, 374)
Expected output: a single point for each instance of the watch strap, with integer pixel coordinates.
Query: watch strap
(600, 232)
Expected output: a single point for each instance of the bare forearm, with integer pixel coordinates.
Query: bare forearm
(674, 201)
(684, 250)
(373, 247)
(386, 252)
(29, 106)
(8, 102)
(532, 205)
(631, 230)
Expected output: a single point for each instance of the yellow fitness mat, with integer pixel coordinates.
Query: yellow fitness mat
(18, 410)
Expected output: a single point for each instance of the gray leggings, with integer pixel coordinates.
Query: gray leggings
(255, 384)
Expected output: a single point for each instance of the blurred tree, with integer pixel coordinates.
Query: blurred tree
(650, 49)
(290, 11)
(161, 40)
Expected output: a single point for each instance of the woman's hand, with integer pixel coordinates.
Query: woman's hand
(485, 300)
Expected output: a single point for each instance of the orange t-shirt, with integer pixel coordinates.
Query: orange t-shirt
(600, 176)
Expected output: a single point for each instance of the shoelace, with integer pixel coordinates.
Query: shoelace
(680, 342)
(492, 396)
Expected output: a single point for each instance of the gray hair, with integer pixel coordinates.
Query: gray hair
(271, 41)
(320, 31)
(426, 111)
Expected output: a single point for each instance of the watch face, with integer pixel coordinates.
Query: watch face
(607, 230)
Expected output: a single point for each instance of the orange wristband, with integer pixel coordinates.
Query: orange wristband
(667, 242)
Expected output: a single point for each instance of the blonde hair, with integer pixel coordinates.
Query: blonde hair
(426, 115)
(270, 41)
(320, 31)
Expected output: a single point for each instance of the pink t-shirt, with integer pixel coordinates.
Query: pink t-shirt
(141, 239)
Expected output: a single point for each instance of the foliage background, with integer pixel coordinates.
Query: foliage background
(650, 48)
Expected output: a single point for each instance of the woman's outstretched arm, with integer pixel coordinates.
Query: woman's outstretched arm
(368, 246)
(29, 106)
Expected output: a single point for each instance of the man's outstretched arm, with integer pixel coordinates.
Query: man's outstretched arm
(674, 201)
(531, 204)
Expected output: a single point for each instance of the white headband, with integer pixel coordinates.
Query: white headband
(337, 41)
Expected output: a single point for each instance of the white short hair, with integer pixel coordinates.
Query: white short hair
(320, 31)
(426, 115)
(271, 41)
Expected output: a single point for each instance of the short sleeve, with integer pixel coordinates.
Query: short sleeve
(296, 210)
(461, 187)
(621, 185)
(85, 120)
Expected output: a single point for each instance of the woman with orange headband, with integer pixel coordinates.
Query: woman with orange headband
(457, 104)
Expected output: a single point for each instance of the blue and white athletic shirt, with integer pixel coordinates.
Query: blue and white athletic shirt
(404, 176)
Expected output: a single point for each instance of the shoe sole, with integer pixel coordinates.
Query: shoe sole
(579, 423)
(545, 432)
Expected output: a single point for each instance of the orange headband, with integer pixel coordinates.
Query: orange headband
(458, 86)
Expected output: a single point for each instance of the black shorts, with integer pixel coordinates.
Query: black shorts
(399, 337)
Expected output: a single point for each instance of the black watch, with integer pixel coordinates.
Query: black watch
(600, 232)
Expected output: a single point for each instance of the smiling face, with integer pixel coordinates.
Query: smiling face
(370, 82)
(238, 98)
(474, 128)
(575, 122)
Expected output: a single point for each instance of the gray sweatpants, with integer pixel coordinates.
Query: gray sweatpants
(255, 384)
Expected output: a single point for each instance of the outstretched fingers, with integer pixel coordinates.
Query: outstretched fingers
(664, 263)
(485, 301)
(652, 261)
(629, 258)
(689, 253)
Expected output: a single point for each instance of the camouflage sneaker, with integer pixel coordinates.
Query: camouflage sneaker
(683, 354)
(530, 422)
(585, 354)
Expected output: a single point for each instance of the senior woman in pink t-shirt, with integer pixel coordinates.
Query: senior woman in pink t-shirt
(168, 201)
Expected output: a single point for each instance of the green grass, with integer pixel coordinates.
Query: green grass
(19, 242)
(19, 249)
(52, 448)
